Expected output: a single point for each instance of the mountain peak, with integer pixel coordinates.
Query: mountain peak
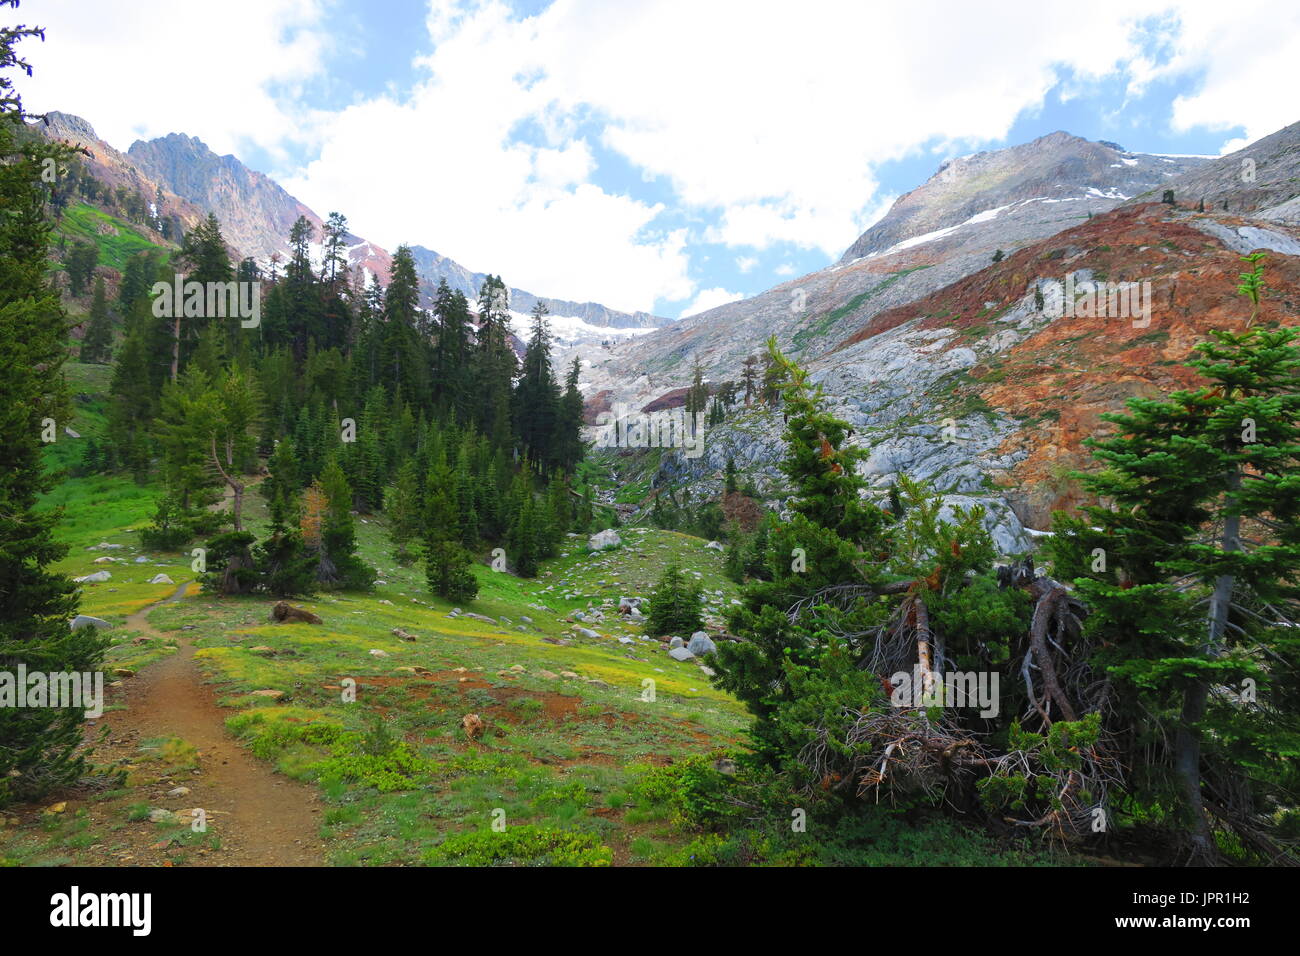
(1057, 167)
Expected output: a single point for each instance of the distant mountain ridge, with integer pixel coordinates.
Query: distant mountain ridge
(256, 214)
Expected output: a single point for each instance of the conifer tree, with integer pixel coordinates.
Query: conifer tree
(1196, 586)
(494, 363)
(95, 346)
(338, 565)
(287, 567)
(674, 606)
(537, 398)
(80, 265)
(569, 439)
(38, 745)
(402, 507)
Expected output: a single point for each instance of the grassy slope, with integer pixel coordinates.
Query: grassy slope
(559, 751)
(117, 239)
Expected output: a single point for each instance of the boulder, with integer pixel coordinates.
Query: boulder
(402, 635)
(603, 540)
(161, 579)
(715, 546)
(96, 578)
(700, 644)
(286, 613)
(85, 620)
(680, 654)
(676, 642)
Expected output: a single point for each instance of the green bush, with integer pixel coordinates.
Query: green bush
(525, 845)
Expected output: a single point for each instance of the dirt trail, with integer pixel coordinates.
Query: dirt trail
(261, 817)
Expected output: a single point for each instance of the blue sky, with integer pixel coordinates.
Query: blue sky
(662, 155)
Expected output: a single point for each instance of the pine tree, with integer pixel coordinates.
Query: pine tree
(697, 396)
(38, 745)
(1200, 544)
(403, 510)
(522, 540)
(449, 570)
(537, 398)
(99, 332)
(183, 431)
(231, 433)
(569, 437)
(286, 565)
(750, 376)
(401, 360)
(494, 362)
(80, 265)
(451, 352)
(339, 566)
(675, 606)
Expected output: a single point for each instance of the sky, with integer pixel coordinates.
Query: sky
(656, 155)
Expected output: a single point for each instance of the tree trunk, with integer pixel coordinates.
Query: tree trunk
(176, 348)
(1187, 742)
(236, 486)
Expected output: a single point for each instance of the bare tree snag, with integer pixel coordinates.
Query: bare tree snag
(235, 484)
(1043, 611)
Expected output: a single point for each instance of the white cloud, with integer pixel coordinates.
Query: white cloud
(145, 68)
(710, 299)
(746, 264)
(1249, 53)
(767, 122)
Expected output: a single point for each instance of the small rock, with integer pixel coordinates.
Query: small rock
(273, 694)
(378, 653)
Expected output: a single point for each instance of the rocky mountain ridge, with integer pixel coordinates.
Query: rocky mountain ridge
(256, 214)
(951, 367)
